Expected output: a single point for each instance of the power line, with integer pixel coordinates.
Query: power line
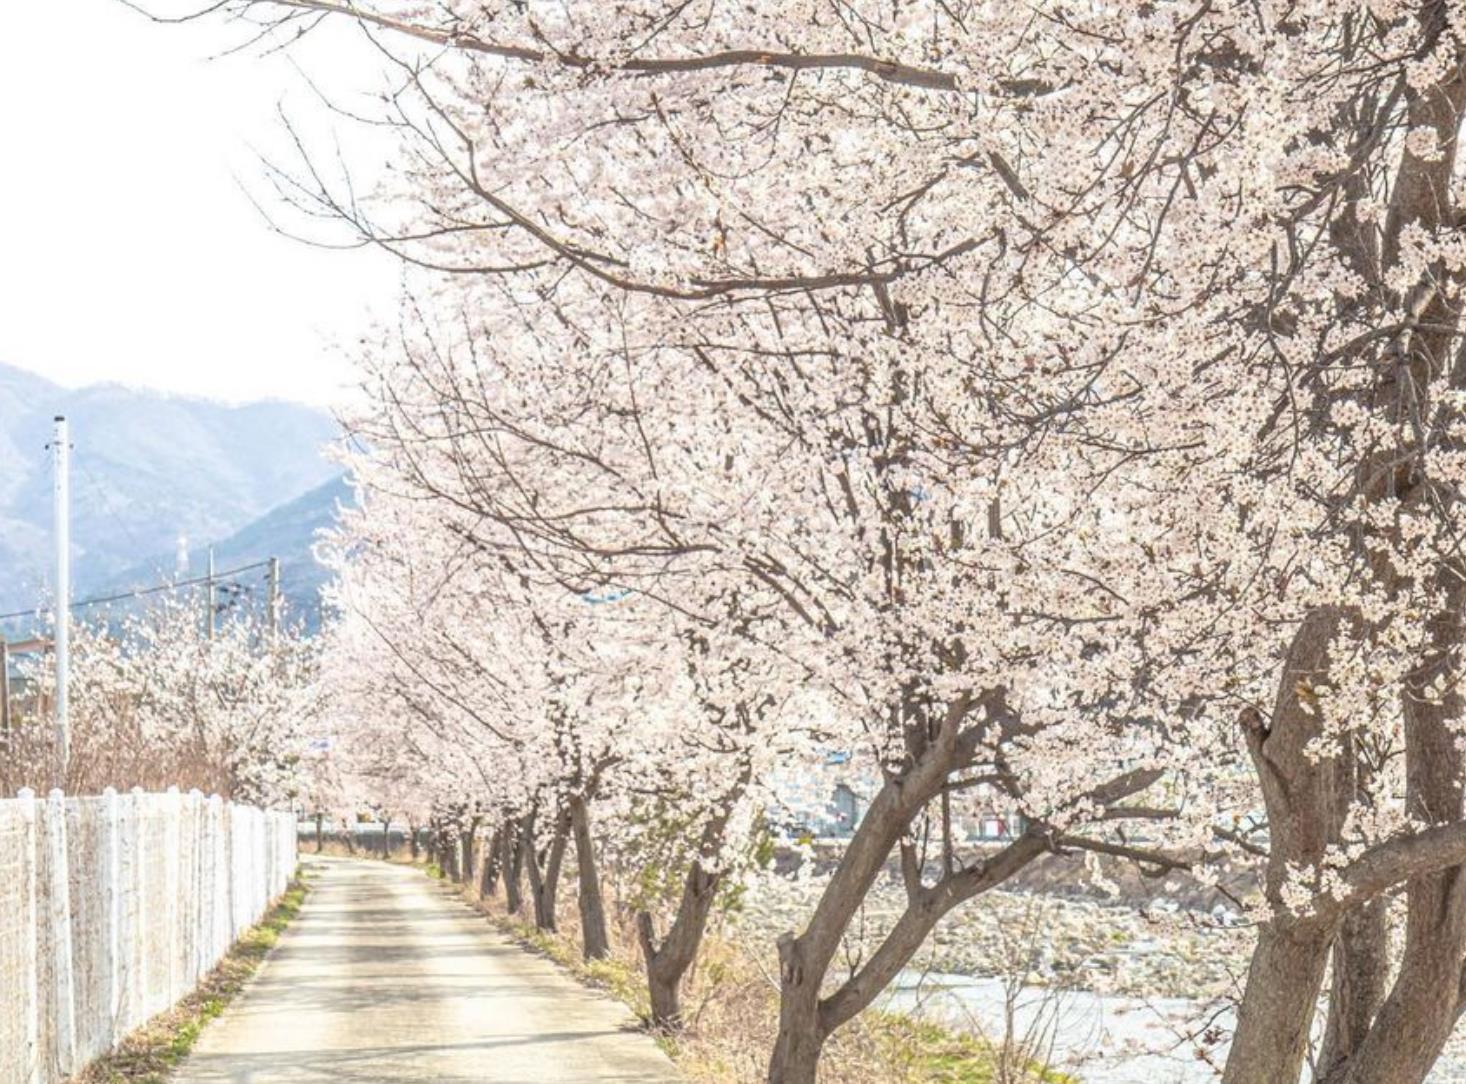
(140, 592)
(113, 513)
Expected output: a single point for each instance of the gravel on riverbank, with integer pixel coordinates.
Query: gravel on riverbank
(1158, 950)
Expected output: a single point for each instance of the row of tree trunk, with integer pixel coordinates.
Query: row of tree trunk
(527, 867)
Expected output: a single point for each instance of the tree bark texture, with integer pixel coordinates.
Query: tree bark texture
(595, 943)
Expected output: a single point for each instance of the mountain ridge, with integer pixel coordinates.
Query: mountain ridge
(147, 468)
(287, 532)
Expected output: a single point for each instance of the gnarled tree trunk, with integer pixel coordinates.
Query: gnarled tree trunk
(492, 864)
(1277, 1009)
(1421, 1010)
(1359, 981)
(513, 863)
(544, 865)
(595, 943)
(667, 960)
(1306, 800)
(805, 1020)
(466, 846)
(1411, 1024)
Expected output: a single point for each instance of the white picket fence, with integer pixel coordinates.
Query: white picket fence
(111, 910)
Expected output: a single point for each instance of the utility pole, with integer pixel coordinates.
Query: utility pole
(4, 685)
(209, 596)
(274, 597)
(60, 457)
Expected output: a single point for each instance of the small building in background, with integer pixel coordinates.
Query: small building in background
(21, 698)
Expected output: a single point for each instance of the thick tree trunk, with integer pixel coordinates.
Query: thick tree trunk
(386, 838)
(1361, 969)
(544, 870)
(491, 864)
(1271, 1039)
(925, 907)
(467, 847)
(810, 1020)
(805, 1021)
(530, 863)
(668, 962)
(453, 848)
(412, 844)
(320, 834)
(1417, 1017)
(595, 944)
(1306, 800)
(801, 1039)
(805, 959)
(513, 862)
(664, 987)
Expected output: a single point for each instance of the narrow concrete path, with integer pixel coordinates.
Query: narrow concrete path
(386, 977)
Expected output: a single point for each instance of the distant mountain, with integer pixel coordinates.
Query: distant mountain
(147, 468)
(288, 533)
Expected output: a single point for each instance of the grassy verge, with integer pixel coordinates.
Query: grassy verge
(731, 1003)
(150, 1054)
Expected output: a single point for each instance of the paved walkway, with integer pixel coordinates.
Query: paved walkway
(386, 977)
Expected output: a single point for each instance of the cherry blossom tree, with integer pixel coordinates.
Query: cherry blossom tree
(564, 701)
(762, 573)
(1070, 392)
(156, 702)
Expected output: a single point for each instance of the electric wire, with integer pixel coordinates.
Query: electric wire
(141, 591)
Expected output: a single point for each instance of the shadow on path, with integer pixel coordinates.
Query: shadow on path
(386, 978)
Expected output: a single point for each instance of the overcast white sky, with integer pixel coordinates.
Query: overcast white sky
(128, 251)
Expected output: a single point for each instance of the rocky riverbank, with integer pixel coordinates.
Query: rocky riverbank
(1157, 950)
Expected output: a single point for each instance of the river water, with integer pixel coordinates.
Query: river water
(1099, 1038)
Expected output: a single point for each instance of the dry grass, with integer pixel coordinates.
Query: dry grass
(150, 1054)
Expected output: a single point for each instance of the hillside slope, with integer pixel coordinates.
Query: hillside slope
(146, 469)
(287, 532)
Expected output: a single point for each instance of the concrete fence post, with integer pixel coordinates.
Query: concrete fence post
(142, 1006)
(172, 860)
(217, 895)
(30, 967)
(285, 829)
(192, 920)
(60, 925)
(231, 834)
(202, 930)
(257, 875)
(112, 909)
(127, 932)
(105, 885)
(206, 883)
(257, 869)
(252, 876)
(271, 857)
